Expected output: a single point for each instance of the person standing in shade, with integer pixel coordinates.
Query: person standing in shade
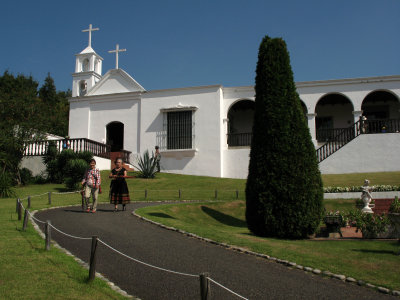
(157, 156)
(119, 193)
(91, 183)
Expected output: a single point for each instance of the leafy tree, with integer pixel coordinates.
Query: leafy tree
(25, 115)
(55, 106)
(284, 187)
(19, 120)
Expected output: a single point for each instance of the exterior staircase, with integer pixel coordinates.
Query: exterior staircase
(346, 135)
(125, 159)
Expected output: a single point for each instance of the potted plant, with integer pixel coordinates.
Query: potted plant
(333, 221)
(394, 214)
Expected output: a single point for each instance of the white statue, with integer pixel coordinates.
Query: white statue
(366, 197)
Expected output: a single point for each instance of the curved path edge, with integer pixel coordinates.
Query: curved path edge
(83, 264)
(287, 263)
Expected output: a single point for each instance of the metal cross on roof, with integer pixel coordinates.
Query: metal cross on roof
(90, 29)
(116, 51)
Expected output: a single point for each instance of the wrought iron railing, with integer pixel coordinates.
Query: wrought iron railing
(239, 139)
(324, 135)
(338, 141)
(77, 145)
(335, 142)
(381, 126)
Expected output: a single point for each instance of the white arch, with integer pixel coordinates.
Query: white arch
(236, 101)
(381, 90)
(332, 93)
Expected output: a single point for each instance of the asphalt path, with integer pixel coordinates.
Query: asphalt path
(247, 275)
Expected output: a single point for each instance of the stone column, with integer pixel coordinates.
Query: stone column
(311, 126)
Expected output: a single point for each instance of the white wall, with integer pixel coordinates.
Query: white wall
(33, 163)
(90, 115)
(206, 158)
(79, 119)
(236, 162)
(366, 153)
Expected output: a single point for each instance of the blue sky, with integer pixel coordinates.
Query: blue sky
(185, 43)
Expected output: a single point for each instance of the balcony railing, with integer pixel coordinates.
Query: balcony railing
(366, 126)
(239, 139)
(77, 145)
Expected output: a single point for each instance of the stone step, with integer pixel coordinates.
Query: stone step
(382, 206)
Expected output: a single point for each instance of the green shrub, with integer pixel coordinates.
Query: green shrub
(395, 205)
(40, 179)
(85, 155)
(146, 165)
(369, 224)
(58, 166)
(26, 176)
(6, 188)
(284, 187)
(74, 171)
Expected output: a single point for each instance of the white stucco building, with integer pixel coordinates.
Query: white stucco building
(206, 130)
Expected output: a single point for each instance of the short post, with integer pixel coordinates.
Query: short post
(180, 194)
(25, 220)
(29, 201)
(19, 210)
(205, 292)
(16, 206)
(92, 268)
(216, 194)
(47, 232)
(237, 194)
(49, 197)
(145, 194)
(83, 200)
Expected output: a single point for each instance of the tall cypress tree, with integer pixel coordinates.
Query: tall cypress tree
(284, 188)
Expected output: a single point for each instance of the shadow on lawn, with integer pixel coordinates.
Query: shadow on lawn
(375, 251)
(223, 218)
(161, 215)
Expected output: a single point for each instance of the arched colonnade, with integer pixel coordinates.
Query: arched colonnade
(326, 114)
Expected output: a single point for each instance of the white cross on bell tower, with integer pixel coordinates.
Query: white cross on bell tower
(116, 51)
(90, 29)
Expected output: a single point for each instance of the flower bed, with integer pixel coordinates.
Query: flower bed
(376, 188)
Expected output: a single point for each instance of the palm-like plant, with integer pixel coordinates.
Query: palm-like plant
(146, 165)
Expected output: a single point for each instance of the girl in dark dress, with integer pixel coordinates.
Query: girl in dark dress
(119, 193)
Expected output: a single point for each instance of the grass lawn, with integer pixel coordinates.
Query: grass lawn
(30, 272)
(357, 179)
(53, 275)
(371, 261)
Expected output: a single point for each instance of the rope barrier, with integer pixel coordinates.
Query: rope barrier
(123, 254)
(146, 264)
(70, 235)
(55, 193)
(220, 285)
(37, 220)
(37, 195)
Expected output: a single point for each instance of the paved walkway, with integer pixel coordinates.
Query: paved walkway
(252, 277)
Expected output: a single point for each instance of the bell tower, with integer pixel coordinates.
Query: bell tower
(88, 66)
